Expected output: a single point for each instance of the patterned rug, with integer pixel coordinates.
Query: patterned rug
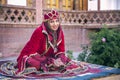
(90, 71)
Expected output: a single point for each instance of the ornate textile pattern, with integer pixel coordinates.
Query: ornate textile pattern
(7, 70)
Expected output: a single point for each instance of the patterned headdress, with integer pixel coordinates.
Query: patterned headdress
(51, 15)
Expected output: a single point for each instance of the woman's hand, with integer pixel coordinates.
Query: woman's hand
(58, 62)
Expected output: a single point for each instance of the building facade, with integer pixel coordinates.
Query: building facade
(78, 19)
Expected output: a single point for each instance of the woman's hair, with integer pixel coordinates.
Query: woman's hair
(48, 28)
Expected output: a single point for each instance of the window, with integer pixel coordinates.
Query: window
(17, 2)
(52, 4)
(67, 4)
(80, 5)
(75, 4)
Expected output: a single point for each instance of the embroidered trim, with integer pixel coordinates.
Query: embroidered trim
(45, 51)
(59, 42)
(23, 63)
(58, 53)
(45, 32)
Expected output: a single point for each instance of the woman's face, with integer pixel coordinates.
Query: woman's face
(54, 24)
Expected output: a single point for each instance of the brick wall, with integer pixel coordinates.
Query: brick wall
(13, 38)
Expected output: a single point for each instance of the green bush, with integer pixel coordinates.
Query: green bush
(105, 48)
(84, 54)
(70, 54)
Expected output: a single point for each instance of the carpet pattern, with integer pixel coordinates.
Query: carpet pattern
(90, 71)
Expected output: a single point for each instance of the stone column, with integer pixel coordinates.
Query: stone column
(98, 5)
(3, 2)
(39, 11)
(60, 4)
(1, 10)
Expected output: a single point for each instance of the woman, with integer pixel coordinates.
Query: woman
(45, 51)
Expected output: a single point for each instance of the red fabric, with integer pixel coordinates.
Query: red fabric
(38, 43)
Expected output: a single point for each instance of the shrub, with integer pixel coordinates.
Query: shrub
(84, 54)
(70, 54)
(105, 48)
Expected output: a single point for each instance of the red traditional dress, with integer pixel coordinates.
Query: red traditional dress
(40, 52)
